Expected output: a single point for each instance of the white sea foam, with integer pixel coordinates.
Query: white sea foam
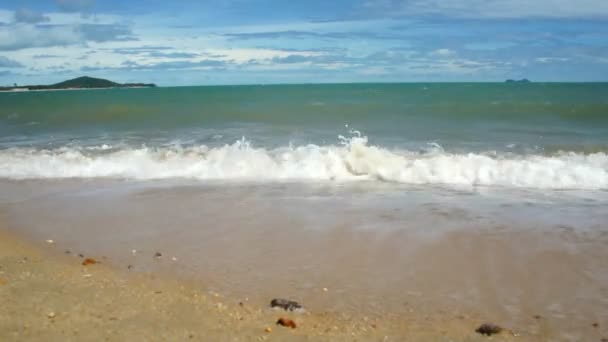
(353, 159)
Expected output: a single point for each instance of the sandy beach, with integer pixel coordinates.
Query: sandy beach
(215, 274)
(47, 296)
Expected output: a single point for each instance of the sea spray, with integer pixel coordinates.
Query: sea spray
(353, 159)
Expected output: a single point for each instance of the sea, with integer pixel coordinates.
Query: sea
(318, 185)
(543, 136)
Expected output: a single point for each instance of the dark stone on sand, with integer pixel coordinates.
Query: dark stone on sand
(158, 254)
(67, 251)
(81, 255)
(595, 325)
(489, 329)
(129, 267)
(285, 304)
(538, 316)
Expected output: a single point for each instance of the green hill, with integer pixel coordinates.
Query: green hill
(84, 82)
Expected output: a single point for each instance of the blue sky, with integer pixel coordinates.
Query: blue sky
(268, 41)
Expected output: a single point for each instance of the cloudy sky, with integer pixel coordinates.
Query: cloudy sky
(190, 42)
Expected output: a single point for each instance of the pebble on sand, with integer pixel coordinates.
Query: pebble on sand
(51, 315)
(158, 254)
(268, 330)
(50, 241)
(285, 304)
(489, 329)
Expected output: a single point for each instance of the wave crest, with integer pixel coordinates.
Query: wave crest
(353, 159)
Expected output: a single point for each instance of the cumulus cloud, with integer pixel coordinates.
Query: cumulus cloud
(9, 63)
(24, 15)
(21, 36)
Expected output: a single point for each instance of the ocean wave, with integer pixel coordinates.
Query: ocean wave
(351, 160)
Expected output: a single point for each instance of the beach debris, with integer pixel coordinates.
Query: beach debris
(285, 304)
(81, 255)
(89, 261)
(129, 267)
(325, 289)
(158, 254)
(133, 251)
(67, 251)
(174, 258)
(604, 339)
(489, 329)
(51, 315)
(595, 325)
(49, 241)
(286, 322)
(268, 329)
(538, 316)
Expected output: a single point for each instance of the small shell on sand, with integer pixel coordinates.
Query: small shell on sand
(286, 322)
(50, 241)
(51, 315)
(89, 261)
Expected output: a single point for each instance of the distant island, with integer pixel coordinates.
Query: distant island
(84, 82)
(523, 80)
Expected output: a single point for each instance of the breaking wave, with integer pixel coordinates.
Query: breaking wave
(351, 160)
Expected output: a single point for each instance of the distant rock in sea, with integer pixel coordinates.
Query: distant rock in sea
(523, 80)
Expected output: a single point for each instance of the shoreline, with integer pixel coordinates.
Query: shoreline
(49, 296)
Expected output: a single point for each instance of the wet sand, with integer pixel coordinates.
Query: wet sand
(356, 265)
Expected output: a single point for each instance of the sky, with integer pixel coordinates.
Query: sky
(208, 42)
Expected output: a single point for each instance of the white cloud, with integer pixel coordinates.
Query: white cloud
(21, 36)
(443, 53)
(491, 8)
(551, 59)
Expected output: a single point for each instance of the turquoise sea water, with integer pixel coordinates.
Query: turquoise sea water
(540, 135)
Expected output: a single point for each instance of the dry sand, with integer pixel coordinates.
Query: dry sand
(49, 296)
